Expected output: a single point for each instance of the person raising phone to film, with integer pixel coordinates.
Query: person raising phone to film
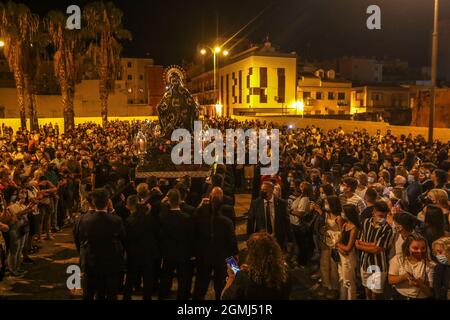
(264, 276)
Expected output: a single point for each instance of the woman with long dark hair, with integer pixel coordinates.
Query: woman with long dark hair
(264, 276)
(329, 234)
(347, 255)
(434, 223)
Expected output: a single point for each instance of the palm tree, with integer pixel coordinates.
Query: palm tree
(104, 26)
(68, 48)
(36, 53)
(18, 27)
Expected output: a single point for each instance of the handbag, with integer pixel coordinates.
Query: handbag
(335, 255)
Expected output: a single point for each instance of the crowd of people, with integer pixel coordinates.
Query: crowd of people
(366, 216)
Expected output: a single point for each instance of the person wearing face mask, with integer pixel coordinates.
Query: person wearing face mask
(270, 214)
(374, 243)
(215, 241)
(441, 278)
(411, 273)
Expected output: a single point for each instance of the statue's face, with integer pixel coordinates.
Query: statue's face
(174, 80)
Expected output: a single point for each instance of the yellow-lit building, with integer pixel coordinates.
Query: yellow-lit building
(134, 74)
(257, 81)
(379, 98)
(321, 93)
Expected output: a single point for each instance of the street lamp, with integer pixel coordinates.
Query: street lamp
(215, 52)
(2, 43)
(434, 61)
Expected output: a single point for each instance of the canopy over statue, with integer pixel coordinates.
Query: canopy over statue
(177, 108)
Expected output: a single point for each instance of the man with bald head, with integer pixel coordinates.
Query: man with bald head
(215, 240)
(270, 214)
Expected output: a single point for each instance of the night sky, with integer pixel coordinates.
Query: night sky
(169, 31)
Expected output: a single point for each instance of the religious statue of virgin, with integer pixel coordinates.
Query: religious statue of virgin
(177, 109)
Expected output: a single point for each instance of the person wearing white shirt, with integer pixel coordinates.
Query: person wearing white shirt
(411, 273)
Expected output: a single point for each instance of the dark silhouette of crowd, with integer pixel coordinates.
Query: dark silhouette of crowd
(364, 216)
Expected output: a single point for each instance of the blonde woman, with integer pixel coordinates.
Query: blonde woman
(439, 198)
(441, 279)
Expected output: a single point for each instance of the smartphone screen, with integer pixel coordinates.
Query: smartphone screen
(233, 264)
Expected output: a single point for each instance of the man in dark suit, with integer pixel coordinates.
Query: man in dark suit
(99, 239)
(177, 238)
(270, 214)
(142, 247)
(215, 240)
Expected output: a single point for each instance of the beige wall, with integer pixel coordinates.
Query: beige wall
(15, 123)
(87, 103)
(348, 126)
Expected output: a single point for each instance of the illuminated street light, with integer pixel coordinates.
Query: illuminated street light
(300, 106)
(215, 52)
(2, 44)
(219, 109)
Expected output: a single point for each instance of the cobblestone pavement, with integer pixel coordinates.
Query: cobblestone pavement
(46, 280)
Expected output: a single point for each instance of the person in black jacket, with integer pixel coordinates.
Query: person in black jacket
(441, 276)
(99, 239)
(186, 208)
(215, 240)
(177, 238)
(141, 247)
(269, 213)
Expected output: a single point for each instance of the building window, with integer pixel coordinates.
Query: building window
(263, 77)
(142, 101)
(319, 96)
(130, 101)
(141, 77)
(130, 77)
(377, 96)
(341, 96)
(306, 95)
(240, 86)
(129, 65)
(281, 85)
(330, 95)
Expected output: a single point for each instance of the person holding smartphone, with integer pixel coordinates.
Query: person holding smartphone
(264, 276)
(411, 273)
